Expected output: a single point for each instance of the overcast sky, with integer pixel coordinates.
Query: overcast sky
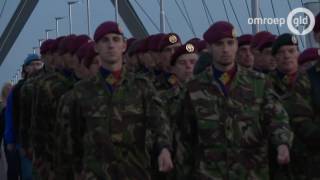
(102, 10)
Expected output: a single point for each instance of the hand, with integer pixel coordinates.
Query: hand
(164, 161)
(283, 154)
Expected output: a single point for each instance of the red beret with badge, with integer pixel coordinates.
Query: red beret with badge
(187, 48)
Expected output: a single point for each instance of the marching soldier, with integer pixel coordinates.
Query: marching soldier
(111, 121)
(229, 114)
(244, 55)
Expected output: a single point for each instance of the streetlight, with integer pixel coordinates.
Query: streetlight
(34, 49)
(40, 41)
(88, 17)
(47, 32)
(116, 5)
(57, 25)
(70, 15)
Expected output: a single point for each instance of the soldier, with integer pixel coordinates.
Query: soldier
(229, 114)
(110, 122)
(182, 65)
(244, 54)
(293, 89)
(265, 65)
(47, 97)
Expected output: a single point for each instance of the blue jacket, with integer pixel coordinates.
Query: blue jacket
(9, 136)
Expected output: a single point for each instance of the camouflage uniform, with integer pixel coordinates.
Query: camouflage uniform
(172, 99)
(229, 128)
(295, 97)
(314, 77)
(42, 136)
(109, 127)
(27, 92)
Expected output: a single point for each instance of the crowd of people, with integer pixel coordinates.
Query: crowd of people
(228, 107)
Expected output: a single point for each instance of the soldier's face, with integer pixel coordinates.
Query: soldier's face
(70, 61)
(224, 51)
(166, 55)
(245, 56)
(267, 60)
(111, 48)
(184, 66)
(287, 59)
(36, 66)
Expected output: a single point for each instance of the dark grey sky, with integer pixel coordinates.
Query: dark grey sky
(102, 10)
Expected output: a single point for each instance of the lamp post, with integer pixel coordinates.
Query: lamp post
(40, 41)
(70, 3)
(88, 18)
(57, 25)
(47, 32)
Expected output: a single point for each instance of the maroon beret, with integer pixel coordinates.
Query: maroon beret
(106, 28)
(46, 46)
(130, 41)
(66, 43)
(201, 45)
(266, 42)
(78, 42)
(56, 43)
(169, 39)
(187, 48)
(90, 54)
(154, 42)
(81, 52)
(309, 55)
(245, 39)
(143, 46)
(316, 28)
(218, 31)
(194, 41)
(258, 37)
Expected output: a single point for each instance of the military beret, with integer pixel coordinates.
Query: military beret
(78, 42)
(169, 39)
(154, 42)
(283, 40)
(56, 43)
(90, 54)
(133, 49)
(183, 49)
(218, 31)
(308, 55)
(30, 58)
(81, 52)
(194, 41)
(106, 28)
(316, 28)
(46, 46)
(245, 39)
(200, 44)
(266, 42)
(258, 37)
(143, 45)
(65, 44)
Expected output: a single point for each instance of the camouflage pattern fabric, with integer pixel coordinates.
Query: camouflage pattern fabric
(229, 132)
(108, 128)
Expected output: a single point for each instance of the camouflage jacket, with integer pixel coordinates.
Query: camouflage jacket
(229, 133)
(49, 91)
(27, 92)
(108, 131)
(314, 77)
(295, 97)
